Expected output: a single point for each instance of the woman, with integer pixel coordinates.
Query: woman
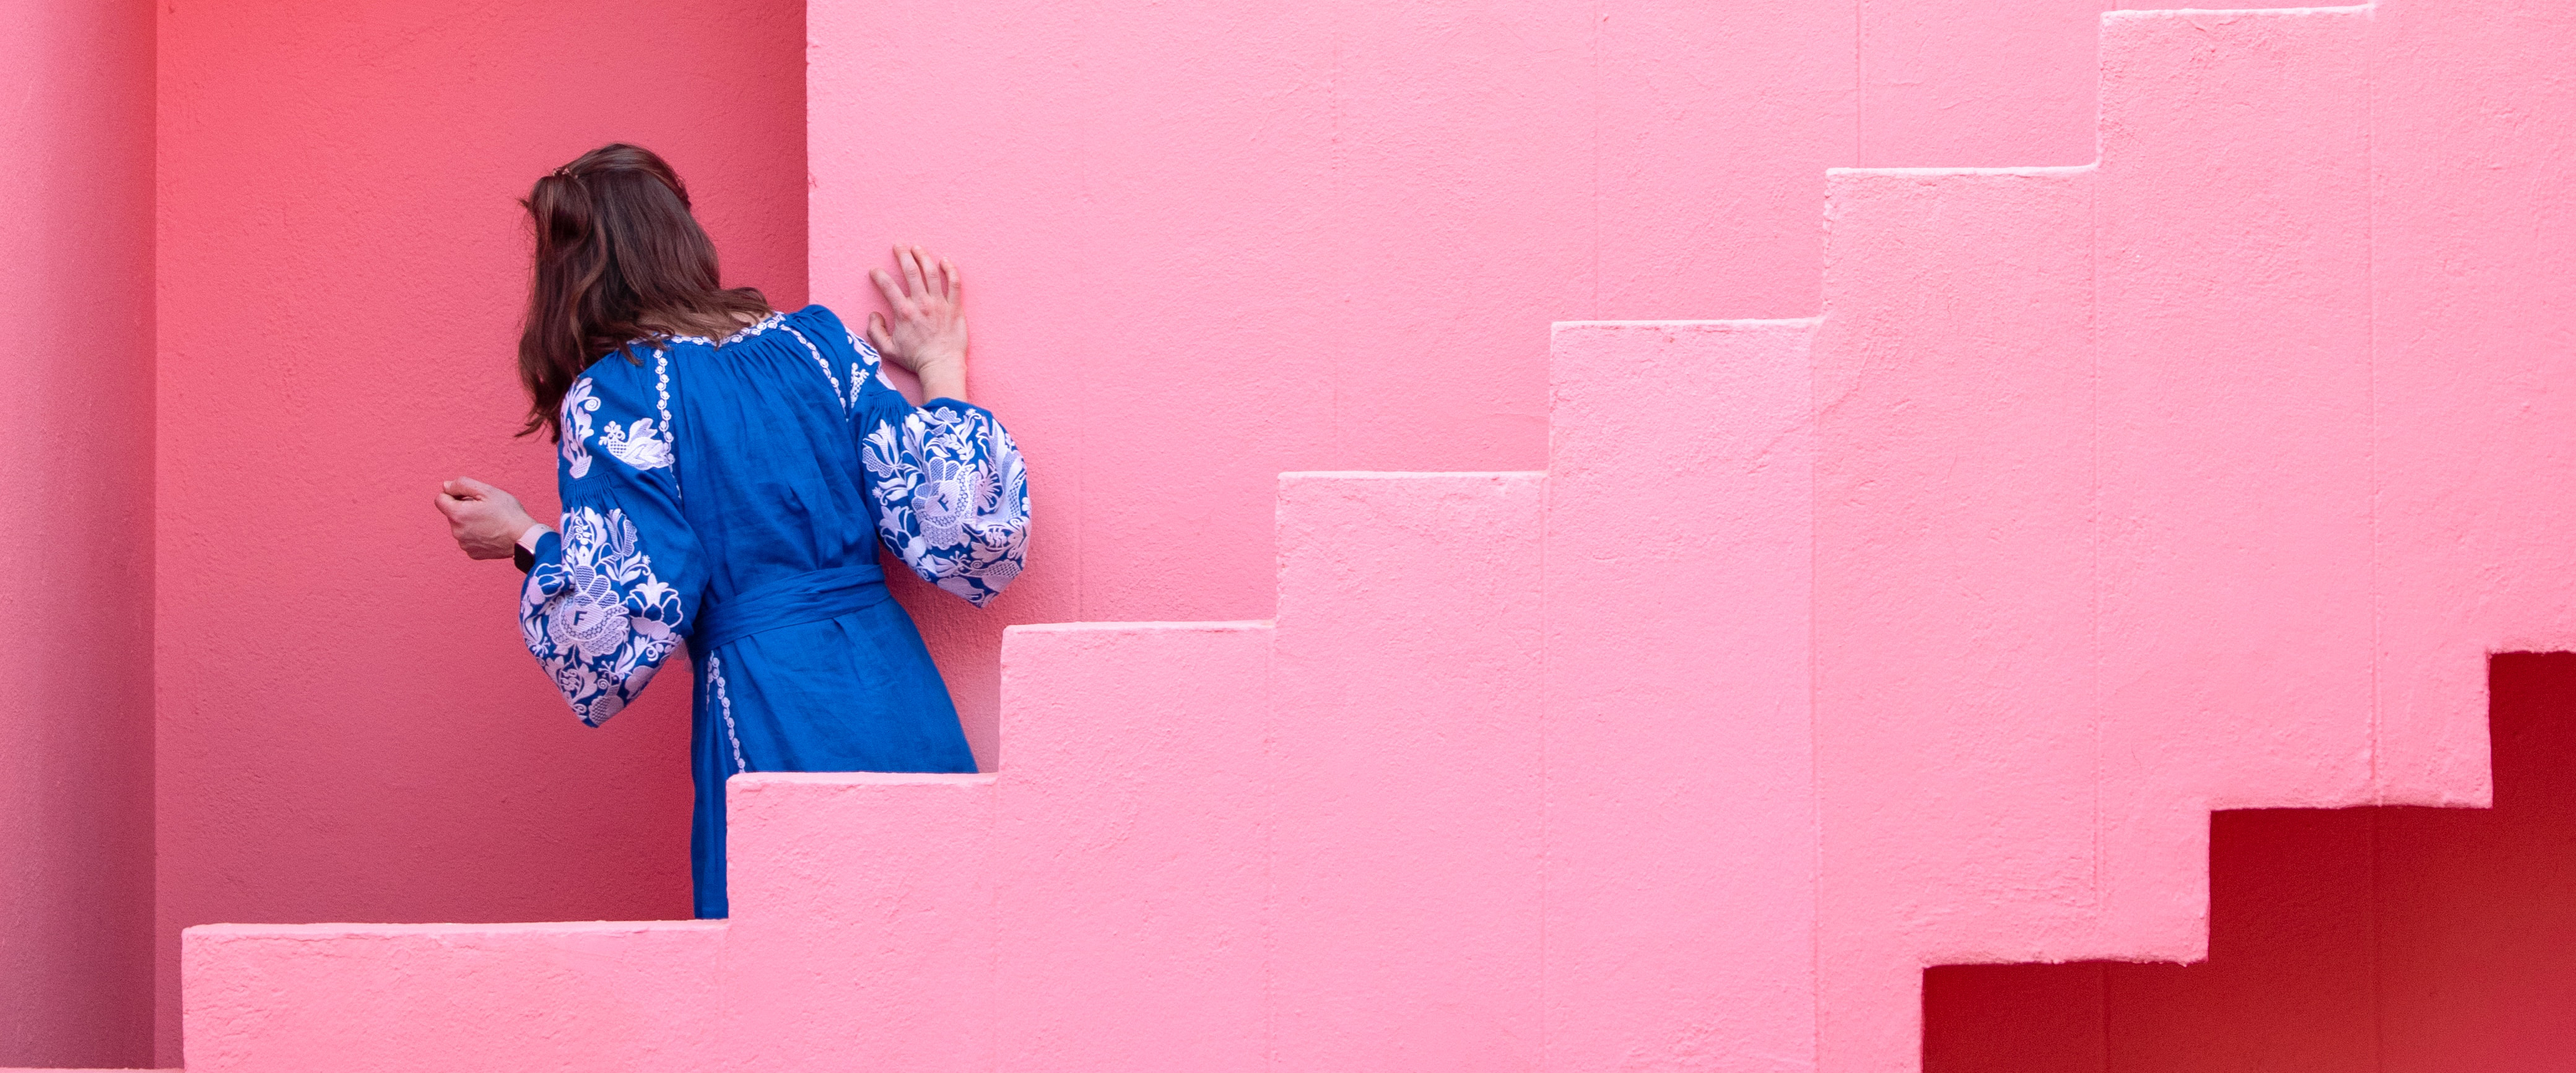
(727, 473)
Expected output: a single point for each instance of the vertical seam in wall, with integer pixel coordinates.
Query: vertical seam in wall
(150, 1009)
(1599, 16)
(155, 1032)
(1815, 531)
(1815, 737)
(1546, 799)
(1081, 520)
(992, 796)
(1083, 395)
(1334, 161)
(1087, 383)
(1860, 81)
(2370, 358)
(1270, 849)
(2370, 355)
(2093, 189)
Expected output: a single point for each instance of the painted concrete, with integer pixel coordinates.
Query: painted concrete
(1678, 801)
(348, 729)
(1324, 236)
(2202, 476)
(1346, 837)
(1339, 250)
(2398, 939)
(2111, 494)
(76, 543)
(2134, 525)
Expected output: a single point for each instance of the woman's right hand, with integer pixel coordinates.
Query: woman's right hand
(486, 521)
(927, 334)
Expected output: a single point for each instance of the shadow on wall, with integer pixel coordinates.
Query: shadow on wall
(2400, 940)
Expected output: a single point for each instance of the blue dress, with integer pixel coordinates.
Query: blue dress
(732, 495)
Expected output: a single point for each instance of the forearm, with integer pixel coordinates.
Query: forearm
(943, 380)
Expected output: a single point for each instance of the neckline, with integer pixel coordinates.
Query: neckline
(774, 319)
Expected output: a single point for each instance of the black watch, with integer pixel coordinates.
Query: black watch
(521, 557)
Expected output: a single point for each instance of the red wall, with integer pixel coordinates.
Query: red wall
(76, 536)
(348, 729)
(2399, 940)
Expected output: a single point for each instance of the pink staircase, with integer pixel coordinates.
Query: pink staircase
(1927, 631)
(1351, 838)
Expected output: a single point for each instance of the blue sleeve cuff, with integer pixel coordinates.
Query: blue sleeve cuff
(549, 548)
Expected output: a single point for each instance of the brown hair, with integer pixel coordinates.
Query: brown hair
(619, 259)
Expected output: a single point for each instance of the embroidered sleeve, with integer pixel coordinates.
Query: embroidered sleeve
(612, 592)
(946, 483)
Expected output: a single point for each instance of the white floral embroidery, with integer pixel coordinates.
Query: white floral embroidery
(724, 702)
(754, 328)
(639, 445)
(597, 619)
(952, 498)
(662, 388)
(578, 404)
(874, 360)
(837, 396)
(670, 434)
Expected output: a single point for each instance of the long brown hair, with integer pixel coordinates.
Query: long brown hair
(619, 258)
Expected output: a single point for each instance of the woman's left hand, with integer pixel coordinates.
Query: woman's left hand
(486, 521)
(927, 333)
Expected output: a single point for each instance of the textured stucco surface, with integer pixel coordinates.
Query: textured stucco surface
(1208, 246)
(1173, 222)
(2387, 939)
(1212, 244)
(1176, 221)
(348, 727)
(1346, 837)
(1821, 651)
(2190, 480)
(2126, 477)
(76, 537)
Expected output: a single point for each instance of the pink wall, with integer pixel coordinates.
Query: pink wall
(76, 549)
(2202, 478)
(1380, 832)
(1213, 244)
(2294, 317)
(348, 729)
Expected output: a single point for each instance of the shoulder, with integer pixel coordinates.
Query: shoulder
(817, 318)
(827, 331)
(823, 324)
(620, 405)
(623, 377)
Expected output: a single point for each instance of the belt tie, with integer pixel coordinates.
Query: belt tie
(788, 601)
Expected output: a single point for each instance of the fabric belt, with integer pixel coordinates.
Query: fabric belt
(790, 601)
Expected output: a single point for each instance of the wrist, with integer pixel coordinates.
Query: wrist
(524, 553)
(943, 380)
